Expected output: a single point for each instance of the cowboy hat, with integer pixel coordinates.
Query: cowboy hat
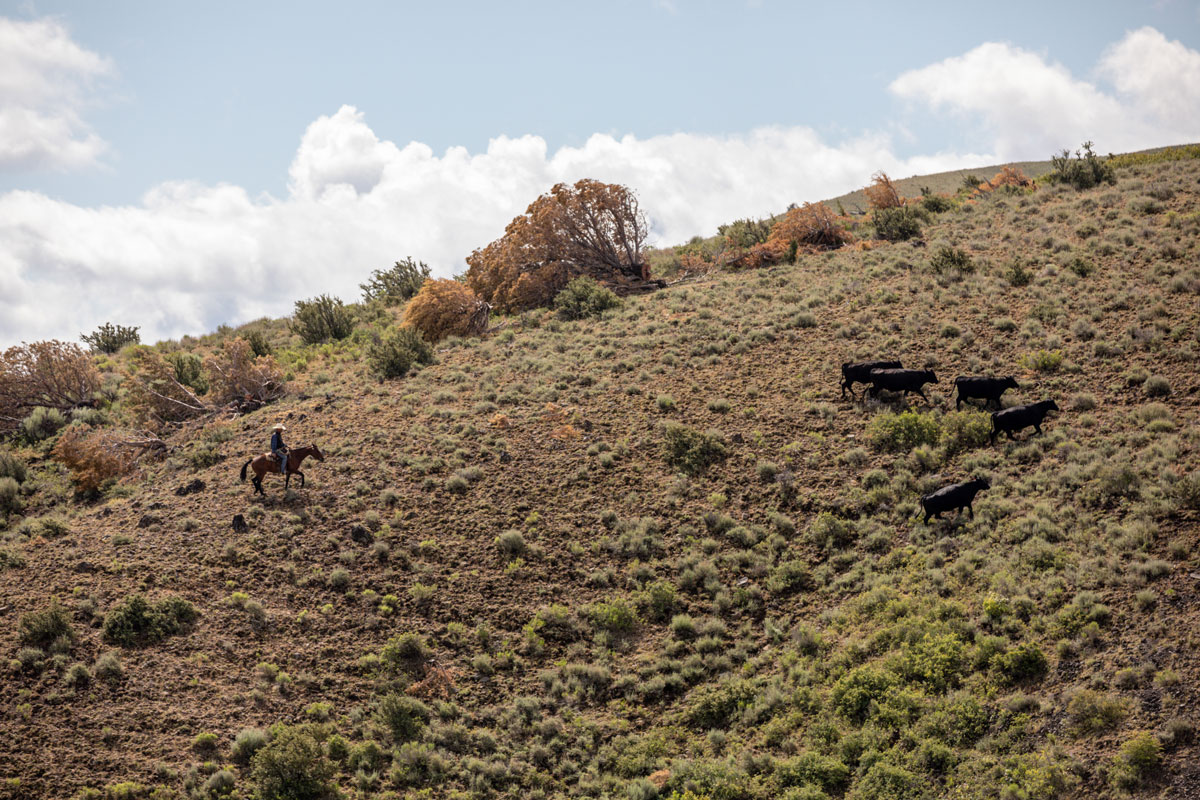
(279, 427)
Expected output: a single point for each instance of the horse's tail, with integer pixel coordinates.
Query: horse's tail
(244, 469)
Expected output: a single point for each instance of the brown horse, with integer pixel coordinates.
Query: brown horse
(265, 463)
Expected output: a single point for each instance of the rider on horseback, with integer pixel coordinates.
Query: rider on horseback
(278, 448)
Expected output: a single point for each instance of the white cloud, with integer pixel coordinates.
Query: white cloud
(1029, 107)
(190, 256)
(44, 78)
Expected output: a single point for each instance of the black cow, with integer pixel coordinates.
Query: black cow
(901, 380)
(989, 389)
(1018, 418)
(861, 373)
(953, 497)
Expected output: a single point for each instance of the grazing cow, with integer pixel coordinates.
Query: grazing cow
(989, 389)
(861, 373)
(953, 497)
(1018, 418)
(901, 380)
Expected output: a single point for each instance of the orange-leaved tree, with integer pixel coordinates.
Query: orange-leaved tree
(51, 374)
(882, 192)
(590, 228)
(97, 455)
(807, 227)
(240, 378)
(446, 308)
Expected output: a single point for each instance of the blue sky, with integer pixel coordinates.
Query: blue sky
(181, 165)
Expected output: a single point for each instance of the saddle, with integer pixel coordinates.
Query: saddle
(271, 459)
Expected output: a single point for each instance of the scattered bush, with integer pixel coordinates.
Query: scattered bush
(1083, 171)
(43, 628)
(1024, 663)
(904, 431)
(405, 653)
(964, 430)
(1157, 386)
(897, 224)
(292, 767)
(12, 467)
(584, 297)
(1043, 360)
(98, 456)
(951, 259)
(321, 319)
(189, 370)
(41, 424)
(10, 497)
(396, 285)
(691, 451)
(1018, 275)
(394, 354)
(856, 691)
(108, 667)
(109, 338)
(402, 716)
(1091, 712)
(1136, 762)
(135, 621)
(1187, 491)
(789, 577)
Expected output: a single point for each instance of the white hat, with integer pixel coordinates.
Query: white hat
(279, 427)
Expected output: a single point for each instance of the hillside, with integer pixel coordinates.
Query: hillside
(496, 584)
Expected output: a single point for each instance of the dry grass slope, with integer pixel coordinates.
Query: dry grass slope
(497, 586)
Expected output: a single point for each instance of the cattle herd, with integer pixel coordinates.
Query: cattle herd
(891, 376)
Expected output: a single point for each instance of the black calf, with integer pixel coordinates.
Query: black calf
(1018, 418)
(953, 497)
(901, 380)
(987, 389)
(861, 373)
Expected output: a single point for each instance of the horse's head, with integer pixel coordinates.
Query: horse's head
(316, 451)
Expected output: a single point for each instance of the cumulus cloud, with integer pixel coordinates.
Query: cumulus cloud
(191, 257)
(1029, 107)
(44, 78)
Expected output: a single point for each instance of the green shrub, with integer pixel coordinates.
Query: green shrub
(10, 497)
(189, 370)
(936, 661)
(615, 616)
(1043, 360)
(964, 430)
(135, 621)
(904, 431)
(1092, 712)
(935, 204)
(397, 285)
(292, 767)
(108, 667)
(405, 653)
(828, 772)
(789, 577)
(109, 338)
(248, 742)
(43, 628)
(395, 353)
(714, 706)
(691, 451)
(1186, 490)
(584, 297)
(511, 543)
(1083, 171)
(827, 532)
(12, 467)
(260, 345)
(1017, 274)
(402, 716)
(658, 601)
(1156, 386)
(855, 691)
(41, 424)
(884, 781)
(321, 319)
(1025, 662)
(948, 259)
(897, 224)
(1135, 762)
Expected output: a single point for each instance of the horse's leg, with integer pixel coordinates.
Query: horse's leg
(301, 474)
(287, 479)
